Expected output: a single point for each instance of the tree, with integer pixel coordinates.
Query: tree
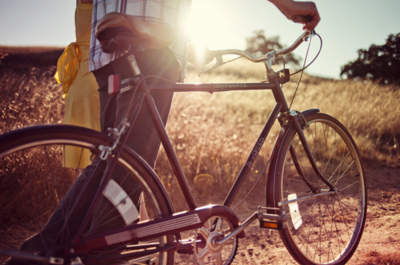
(258, 43)
(378, 63)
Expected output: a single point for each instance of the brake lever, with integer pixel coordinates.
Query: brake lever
(311, 35)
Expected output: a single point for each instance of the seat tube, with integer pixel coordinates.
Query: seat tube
(160, 128)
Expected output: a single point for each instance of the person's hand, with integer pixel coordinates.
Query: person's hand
(309, 14)
(305, 13)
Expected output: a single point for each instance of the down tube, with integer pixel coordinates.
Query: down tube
(253, 155)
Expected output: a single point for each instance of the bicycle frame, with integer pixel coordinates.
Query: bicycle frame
(211, 88)
(280, 112)
(195, 217)
(280, 109)
(291, 170)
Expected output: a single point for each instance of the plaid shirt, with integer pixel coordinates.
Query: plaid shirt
(165, 12)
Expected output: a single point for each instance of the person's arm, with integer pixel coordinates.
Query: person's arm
(292, 8)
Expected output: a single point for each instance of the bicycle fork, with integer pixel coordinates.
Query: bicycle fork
(274, 216)
(299, 129)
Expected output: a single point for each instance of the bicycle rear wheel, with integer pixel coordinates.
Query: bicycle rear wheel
(33, 182)
(323, 227)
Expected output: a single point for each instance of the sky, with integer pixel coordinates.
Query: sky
(346, 26)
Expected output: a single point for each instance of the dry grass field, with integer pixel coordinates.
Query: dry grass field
(214, 133)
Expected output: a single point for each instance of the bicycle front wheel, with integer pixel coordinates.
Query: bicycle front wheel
(324, 227)
(34, 180)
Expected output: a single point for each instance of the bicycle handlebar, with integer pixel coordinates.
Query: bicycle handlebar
(270, 54)
(263, 58)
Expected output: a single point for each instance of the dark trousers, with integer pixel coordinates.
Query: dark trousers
(143, 139)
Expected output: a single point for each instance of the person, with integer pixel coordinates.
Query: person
(167, 62)
(156, 62)
(291, 8)
(82, 107)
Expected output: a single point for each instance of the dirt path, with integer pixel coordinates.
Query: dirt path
(380, 241)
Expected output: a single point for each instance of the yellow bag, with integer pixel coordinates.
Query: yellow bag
(67, 67)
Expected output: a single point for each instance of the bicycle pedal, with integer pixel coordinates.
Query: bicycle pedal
(271, 225)
(272, 218)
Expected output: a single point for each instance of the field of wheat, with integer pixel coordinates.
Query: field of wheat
(214, 133)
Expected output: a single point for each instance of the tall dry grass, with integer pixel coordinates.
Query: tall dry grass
(214, 133)
(368, 110)
(29, 93)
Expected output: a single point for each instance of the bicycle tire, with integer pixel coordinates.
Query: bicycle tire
(322, 229)
(33, 180)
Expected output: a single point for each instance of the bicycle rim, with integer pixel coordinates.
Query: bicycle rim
(323, 229)
(34, 180)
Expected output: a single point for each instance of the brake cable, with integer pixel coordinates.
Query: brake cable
(305, 66)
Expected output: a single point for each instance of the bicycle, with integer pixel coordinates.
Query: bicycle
(315, 194)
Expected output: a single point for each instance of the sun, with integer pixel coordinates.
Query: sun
(206, 23)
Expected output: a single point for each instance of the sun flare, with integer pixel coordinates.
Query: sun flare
(206, 24)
